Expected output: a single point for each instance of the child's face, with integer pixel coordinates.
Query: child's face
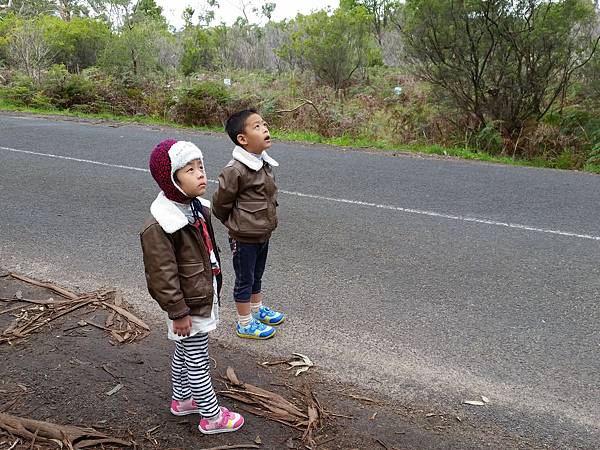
(255, 137)
(191, 178)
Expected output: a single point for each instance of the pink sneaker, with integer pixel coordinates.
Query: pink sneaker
(184, 407)
(229, 421)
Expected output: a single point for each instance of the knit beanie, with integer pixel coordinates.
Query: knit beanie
(168, 157)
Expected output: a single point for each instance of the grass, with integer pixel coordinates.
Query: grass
(307, 136)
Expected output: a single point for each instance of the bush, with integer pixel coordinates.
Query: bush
(488, 140)
(202, 103)
(67, 90)
(22, 91)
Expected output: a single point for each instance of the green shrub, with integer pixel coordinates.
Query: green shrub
(20, 91)
(202, 103)
(488, 140)
(67, 90)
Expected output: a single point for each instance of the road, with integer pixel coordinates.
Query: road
(432, 280)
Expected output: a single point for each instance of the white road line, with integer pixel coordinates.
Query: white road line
(342, 200)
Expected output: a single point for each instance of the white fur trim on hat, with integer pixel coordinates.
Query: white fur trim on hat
(181, 153)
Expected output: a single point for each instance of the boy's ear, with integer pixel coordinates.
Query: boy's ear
(241, 138)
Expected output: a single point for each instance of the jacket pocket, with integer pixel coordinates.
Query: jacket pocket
(252, 216)
(192, 282)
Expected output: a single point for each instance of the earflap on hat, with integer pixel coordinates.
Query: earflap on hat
(160, 168)
(180, 154)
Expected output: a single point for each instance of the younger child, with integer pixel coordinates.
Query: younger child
(246, 202)
(183, 275)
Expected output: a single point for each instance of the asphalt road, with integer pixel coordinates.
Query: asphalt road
(432, 280)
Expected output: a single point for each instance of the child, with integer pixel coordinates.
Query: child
(183, 275)
(246, 202)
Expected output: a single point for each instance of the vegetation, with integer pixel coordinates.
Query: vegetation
(505, 80)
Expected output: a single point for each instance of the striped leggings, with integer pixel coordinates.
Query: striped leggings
(190, 374)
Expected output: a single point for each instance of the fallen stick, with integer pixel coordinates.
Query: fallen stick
(227, 447)
(37, 430)
(52, 287)
(69, 435)
(362, 399)
(37, 302)
(46, 322)
(128, 315)
(11, 309)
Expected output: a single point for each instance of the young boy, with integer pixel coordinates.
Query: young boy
(183, 275)
(246, 202)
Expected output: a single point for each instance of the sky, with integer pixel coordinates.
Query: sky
(230, 10)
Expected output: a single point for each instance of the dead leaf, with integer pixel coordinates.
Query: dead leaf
(474, 402)
(114, 390)
(258, 440)
(301, 361)
(301, 370)
(485, 399)
(233, 377)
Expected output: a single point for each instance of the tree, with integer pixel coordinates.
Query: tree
(199, 50)
(77, 43)
(143, 45)
(208, 13)
(29, 8)
(267, 9)
(333, 47)
(505, 61)
(187, 16)
(380, 12)
(29, 50)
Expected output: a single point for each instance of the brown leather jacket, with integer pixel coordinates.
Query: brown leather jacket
(246, 200)
(178, 270)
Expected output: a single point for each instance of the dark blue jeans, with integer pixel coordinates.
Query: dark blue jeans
(249, 262)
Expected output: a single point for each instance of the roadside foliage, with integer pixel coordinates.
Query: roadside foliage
(511, 80)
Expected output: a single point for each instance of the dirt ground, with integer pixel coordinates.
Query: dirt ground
(64, 373)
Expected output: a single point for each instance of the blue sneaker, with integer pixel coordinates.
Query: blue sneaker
(268, 316)
(254, 330)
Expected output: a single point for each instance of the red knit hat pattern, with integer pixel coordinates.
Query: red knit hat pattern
(160, 168)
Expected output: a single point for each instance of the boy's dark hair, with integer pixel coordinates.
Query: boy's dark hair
(236, 122)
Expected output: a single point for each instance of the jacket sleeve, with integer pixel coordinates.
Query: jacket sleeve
(162, 273)
(223, 199)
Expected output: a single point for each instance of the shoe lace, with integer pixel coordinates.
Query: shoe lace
(267, 311)
(256, 325)
(225, 416)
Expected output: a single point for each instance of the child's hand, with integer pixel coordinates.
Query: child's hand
(183, 326)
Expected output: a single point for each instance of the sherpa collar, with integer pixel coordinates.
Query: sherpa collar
(168, 215)
(250, 160)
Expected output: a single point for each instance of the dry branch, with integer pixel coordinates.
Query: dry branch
(60, 291)
(70, 436)
(273, 406)
(227, 447)
(121, 325)
(306, 102)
